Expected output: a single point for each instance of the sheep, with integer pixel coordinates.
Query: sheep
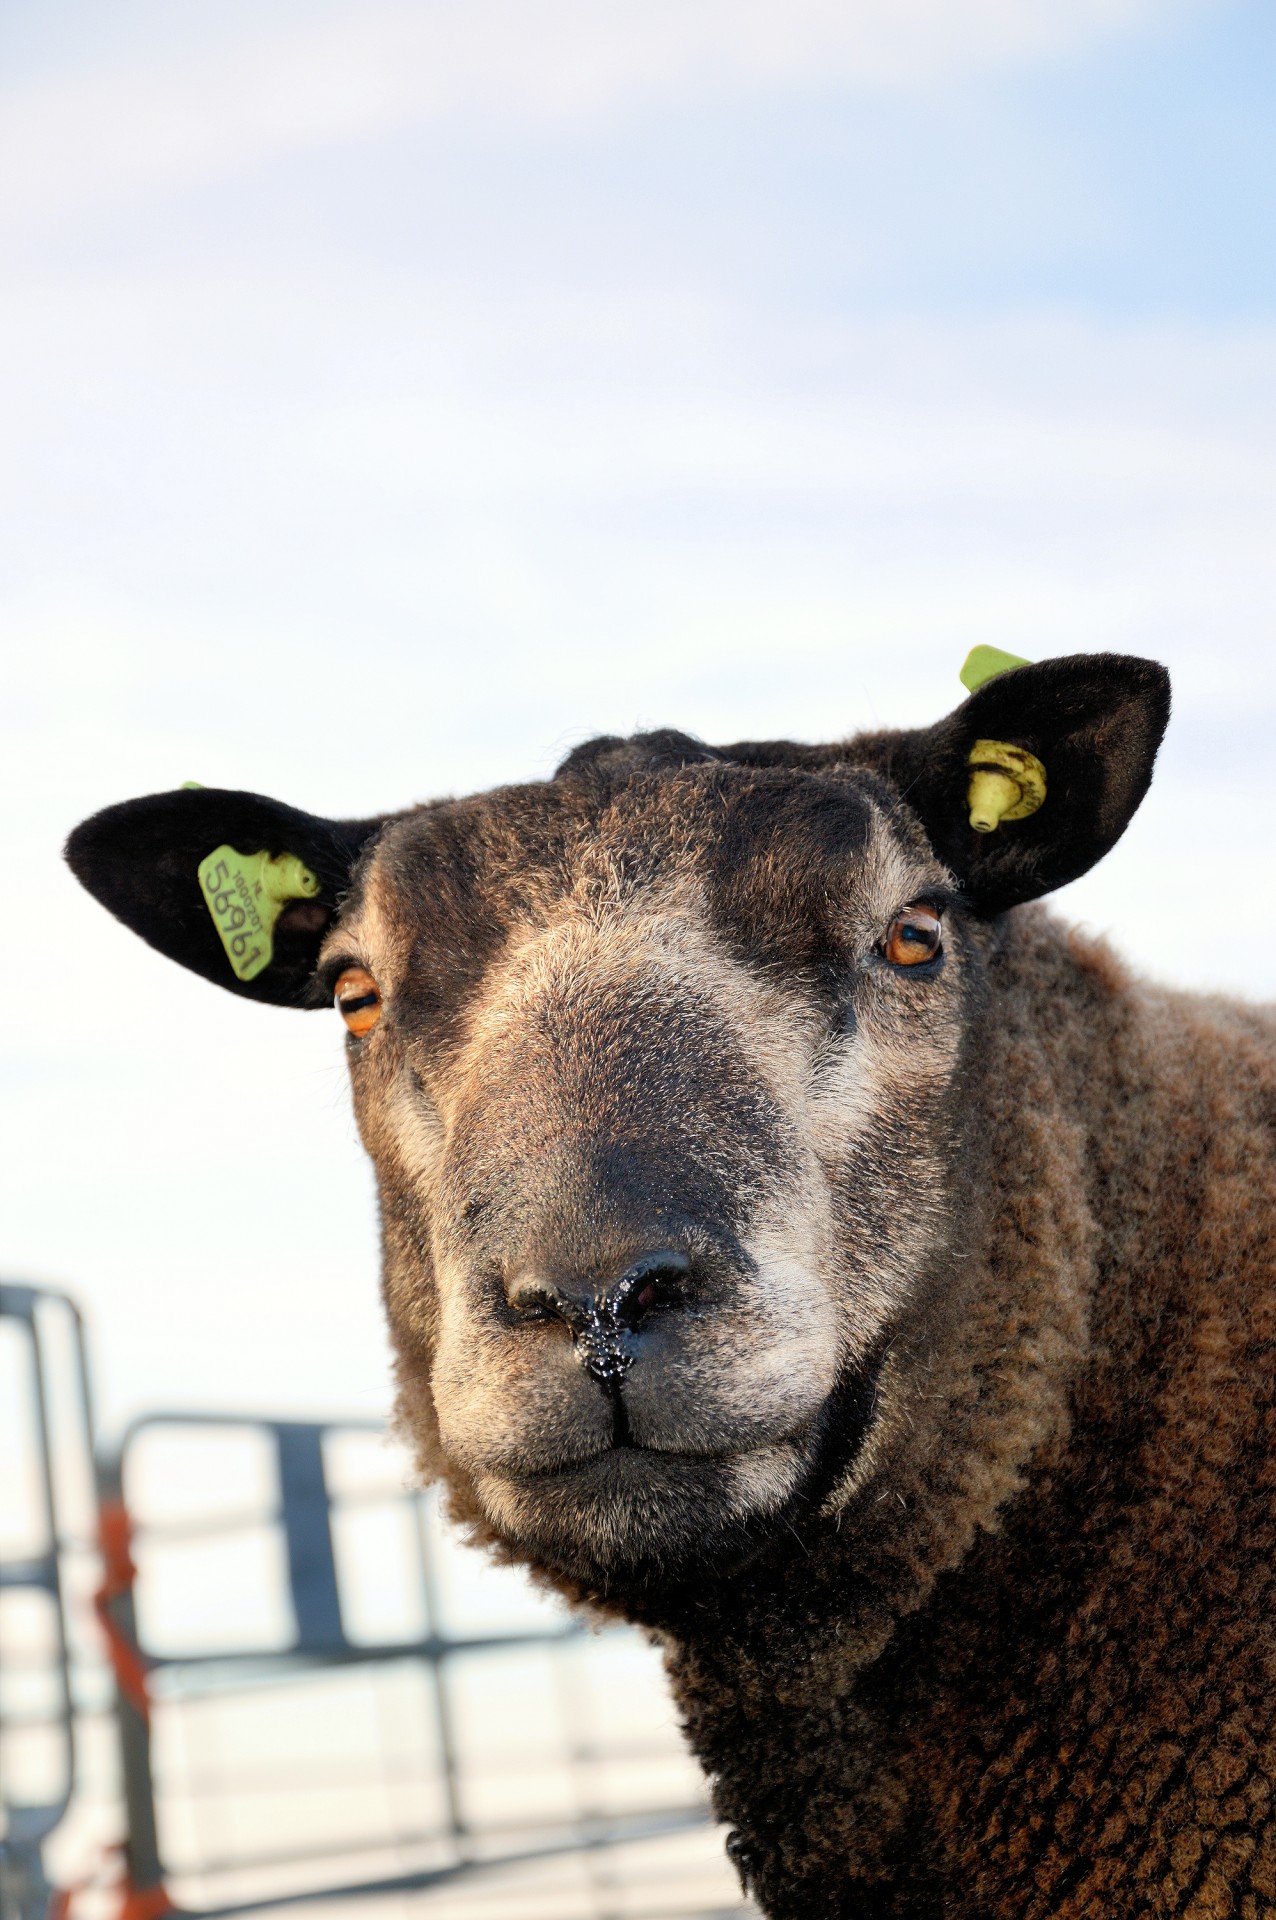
(799, 1243)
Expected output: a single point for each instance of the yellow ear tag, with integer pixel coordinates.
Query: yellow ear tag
(985, 663)
(246, 893)
(1006, 783)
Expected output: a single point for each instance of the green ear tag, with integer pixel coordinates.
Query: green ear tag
(246, 893)
(985, 663)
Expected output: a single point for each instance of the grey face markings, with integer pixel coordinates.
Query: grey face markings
(667, 1167)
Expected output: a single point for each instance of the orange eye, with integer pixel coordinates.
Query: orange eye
(913, 936)
(358, 999)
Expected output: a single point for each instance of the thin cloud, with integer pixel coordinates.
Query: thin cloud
(149, 125)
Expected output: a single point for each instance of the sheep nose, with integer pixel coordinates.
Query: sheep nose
(600, 1316)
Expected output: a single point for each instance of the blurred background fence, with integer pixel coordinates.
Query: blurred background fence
(244, 1667)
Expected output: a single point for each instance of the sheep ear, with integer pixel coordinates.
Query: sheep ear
(1091, 723)
(232, 885)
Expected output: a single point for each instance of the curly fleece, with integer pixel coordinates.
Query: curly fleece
(1028, 1671)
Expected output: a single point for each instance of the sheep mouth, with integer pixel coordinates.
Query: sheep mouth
(631, 1451)
(643, 1518)
(826, 1444)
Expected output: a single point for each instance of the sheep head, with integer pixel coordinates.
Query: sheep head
(662, 1066)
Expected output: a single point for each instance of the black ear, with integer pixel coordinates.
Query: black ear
(1092, 720)
(141, 859)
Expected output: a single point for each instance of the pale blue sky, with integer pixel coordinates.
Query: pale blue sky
(1129, 173)
(395, 393)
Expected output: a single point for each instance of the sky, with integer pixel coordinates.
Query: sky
(396, 394)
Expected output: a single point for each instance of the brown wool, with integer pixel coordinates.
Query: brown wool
(885, 1323)
(1053, 1698)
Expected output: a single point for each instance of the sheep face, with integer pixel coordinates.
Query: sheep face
(661, 1132)
(665, 1098)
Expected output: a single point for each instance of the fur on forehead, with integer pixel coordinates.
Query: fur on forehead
(624, 821)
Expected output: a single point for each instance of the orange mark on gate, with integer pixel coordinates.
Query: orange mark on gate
(115, 1536)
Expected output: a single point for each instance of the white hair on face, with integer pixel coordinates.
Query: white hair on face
(412, 1124)
(837, 1205)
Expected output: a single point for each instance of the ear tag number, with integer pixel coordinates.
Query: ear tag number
(1006, 783)
(246, 893)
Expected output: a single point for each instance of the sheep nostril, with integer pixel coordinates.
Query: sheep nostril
(540, 1303)
(655, 1280)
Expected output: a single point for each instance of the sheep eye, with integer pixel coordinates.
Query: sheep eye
(913, 936)
(358, 999)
